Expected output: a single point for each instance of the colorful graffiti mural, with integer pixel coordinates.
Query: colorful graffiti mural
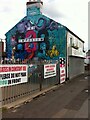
(36, 36)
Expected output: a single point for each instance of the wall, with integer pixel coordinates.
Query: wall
(75, 46)
(76, 66)
(36, 37)
(1, 48)
(87, 60)
(75, 56)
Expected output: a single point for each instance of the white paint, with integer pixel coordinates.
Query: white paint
(62, 74)
(13, 69)
(49, 70)
(72, 42)
(31, 40)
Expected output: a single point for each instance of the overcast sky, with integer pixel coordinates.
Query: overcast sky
(71, 13)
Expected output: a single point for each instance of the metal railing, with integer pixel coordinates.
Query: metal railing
(35, 83)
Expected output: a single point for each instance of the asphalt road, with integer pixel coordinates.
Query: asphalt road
(70, 100)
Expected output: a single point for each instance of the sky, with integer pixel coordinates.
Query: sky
(71, 13)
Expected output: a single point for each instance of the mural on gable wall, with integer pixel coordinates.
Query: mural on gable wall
(36, 37)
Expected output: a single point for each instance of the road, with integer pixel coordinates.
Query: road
(70, 100)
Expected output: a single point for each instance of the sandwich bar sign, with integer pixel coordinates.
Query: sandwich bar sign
(49, 70)
(12, 74)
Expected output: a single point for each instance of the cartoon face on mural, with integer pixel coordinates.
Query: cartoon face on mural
(41, 39)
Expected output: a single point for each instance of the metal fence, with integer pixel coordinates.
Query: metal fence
(35, 83)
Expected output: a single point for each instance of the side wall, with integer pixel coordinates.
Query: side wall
(75, 56)
(76, 66)
(36, 37)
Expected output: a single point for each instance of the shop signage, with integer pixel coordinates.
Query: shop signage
(12, 74)
(49, 70)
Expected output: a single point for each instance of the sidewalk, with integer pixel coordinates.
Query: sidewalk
(68, 100)
(83, 112)
(29, 98)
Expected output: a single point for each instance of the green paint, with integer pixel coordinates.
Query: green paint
(4, 82)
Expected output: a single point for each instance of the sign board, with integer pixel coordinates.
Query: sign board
(62, 70)
(62, 74)
(49, 70)
(31, 40)
(13, 74)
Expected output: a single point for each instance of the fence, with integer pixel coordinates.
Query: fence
(36, 82)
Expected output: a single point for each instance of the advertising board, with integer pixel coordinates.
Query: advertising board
(12, 74)
(49, 70)
(62, 70)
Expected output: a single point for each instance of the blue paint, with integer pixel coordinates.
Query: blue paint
(54, 34)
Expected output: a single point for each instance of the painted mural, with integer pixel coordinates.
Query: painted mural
(36, 37)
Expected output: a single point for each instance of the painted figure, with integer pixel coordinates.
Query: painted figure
(53, 52)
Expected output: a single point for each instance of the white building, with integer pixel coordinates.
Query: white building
(75, 55)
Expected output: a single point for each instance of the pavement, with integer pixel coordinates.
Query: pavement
(68, 100)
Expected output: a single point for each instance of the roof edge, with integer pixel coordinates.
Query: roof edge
(74, 34)
(15, 25)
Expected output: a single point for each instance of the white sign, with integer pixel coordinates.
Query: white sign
(31, 40)
(12, 74)
(49, 70)
(62, 74)
(62, 70)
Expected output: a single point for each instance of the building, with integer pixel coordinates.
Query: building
(75, 55)
(87, 60)
(1, 49)
(37, 37)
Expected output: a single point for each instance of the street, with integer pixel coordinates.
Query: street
(69, 100)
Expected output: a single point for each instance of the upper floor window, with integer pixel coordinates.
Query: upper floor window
(74, 42)
(71, 41)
